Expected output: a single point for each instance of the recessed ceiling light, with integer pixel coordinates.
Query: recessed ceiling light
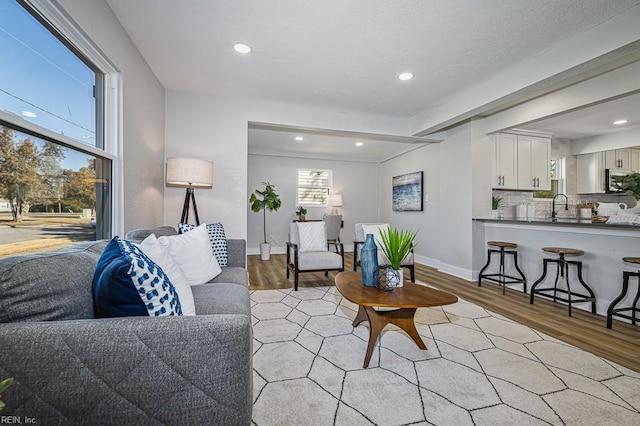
(405, 76)
(619, 122)
(359, 143)
(29, 114)
(299, 138)
(242, 48)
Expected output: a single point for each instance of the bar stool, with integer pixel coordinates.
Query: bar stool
(634, 309)
(503, 248)
(563, 271)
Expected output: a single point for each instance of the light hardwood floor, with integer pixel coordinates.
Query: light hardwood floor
(584, 329)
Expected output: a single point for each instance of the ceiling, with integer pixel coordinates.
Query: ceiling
(347, 54)
(594, 120)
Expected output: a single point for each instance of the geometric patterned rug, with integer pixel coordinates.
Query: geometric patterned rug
(480, 368)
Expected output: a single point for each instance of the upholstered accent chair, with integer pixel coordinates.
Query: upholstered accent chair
(308, 250)
(333, 223)
(374, 228)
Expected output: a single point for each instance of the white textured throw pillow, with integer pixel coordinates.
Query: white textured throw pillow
(192, 252)
(312, 236)
(375, 229)
(158, 254)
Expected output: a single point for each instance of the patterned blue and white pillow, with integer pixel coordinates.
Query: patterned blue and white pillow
(217, 238)
(128, 283)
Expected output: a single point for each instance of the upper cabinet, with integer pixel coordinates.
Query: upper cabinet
(522, 162)
(534, 157)
(506, 150)
(635, 160)
(618, 159)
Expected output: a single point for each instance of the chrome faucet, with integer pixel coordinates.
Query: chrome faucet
(553, 205)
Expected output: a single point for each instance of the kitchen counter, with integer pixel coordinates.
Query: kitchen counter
(604, 245)
(571, 222)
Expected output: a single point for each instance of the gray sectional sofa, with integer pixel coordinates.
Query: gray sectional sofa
(71, 368)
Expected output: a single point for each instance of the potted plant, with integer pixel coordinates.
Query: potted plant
(396, 244)
(3, 387)
(629, 184)
(265, 200)
(495, 203)
(301, 213)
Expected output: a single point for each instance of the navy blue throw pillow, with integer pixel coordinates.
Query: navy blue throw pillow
(127, 283)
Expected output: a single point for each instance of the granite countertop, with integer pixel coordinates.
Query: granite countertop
(559, 222)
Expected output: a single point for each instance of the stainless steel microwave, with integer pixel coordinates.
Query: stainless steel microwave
(609, 174)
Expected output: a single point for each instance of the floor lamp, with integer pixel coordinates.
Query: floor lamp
(190, 173)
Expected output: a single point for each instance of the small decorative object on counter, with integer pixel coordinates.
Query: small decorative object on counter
(495, 203)
(369, 262)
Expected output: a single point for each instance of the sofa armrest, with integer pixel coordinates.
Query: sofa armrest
(136, 370)
(237, 252)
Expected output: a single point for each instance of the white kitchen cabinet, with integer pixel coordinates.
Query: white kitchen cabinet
(506, 162)
(590, 173)
(534, 158)
(635, 160)
(618, 159)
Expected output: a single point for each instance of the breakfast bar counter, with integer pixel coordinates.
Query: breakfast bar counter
(604, 245)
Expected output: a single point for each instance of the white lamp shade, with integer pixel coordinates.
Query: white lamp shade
(189, 172)
(335, 200)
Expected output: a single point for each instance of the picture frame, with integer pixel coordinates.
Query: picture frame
(407, 192)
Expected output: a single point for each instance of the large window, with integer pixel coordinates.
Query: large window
(55, 162)
(313, 187)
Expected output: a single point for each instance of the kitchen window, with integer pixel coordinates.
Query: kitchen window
(557, 174)
(59, 109)
(313, 187)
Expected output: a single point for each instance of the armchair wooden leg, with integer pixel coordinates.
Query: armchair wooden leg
(295, 280)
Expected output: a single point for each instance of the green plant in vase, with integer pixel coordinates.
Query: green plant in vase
(629, 184)
(301, 213)
(3, 387)
(495, 202)
(396, 244)
(265, 200)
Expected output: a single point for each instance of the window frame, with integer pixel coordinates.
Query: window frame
(329, 187)
(109, 115)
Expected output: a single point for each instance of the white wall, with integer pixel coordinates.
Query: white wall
(143, 113)
(357, 182)
(426, 222)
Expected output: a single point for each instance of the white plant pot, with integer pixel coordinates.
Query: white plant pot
(265, 251)
(395, 277)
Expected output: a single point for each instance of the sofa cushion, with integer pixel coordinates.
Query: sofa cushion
(233, 275)
(217, 238)
(128, 283)
(152, 248)
(221, 298)
(43, 287)
(193, 253)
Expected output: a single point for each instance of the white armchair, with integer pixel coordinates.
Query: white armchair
(374, 228)
(308, 250)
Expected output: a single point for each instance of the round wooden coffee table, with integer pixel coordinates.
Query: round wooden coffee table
(405, 299)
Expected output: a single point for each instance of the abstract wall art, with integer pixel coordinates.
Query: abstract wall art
(407, 192)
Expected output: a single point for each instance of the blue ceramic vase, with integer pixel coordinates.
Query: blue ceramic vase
(369, 262)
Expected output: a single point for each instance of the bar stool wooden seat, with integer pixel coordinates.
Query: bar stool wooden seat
(562, 270)
(502, 248)
(633, 309)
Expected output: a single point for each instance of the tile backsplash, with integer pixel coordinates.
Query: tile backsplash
(511, 199)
